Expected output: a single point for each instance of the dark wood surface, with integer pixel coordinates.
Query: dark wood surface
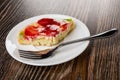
(100, 61)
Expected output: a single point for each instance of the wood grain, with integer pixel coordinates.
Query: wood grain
(100, 61)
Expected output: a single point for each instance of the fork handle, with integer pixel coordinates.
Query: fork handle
(105, 34)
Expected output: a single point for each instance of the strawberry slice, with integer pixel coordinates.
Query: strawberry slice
(31, 31)
(64, 27)
(52, 33)
(47, 21)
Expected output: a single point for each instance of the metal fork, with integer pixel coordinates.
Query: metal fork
(48, 52)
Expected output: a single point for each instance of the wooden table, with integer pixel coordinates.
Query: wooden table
(100, 61)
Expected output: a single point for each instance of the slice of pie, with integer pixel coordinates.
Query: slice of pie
(46, 32)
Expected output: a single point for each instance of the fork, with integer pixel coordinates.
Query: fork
(48, 52)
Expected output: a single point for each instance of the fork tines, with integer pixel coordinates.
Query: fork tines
(31, 54)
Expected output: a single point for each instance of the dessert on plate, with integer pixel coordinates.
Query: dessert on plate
(46, 32)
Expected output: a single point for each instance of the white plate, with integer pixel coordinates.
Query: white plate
(61, 55)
